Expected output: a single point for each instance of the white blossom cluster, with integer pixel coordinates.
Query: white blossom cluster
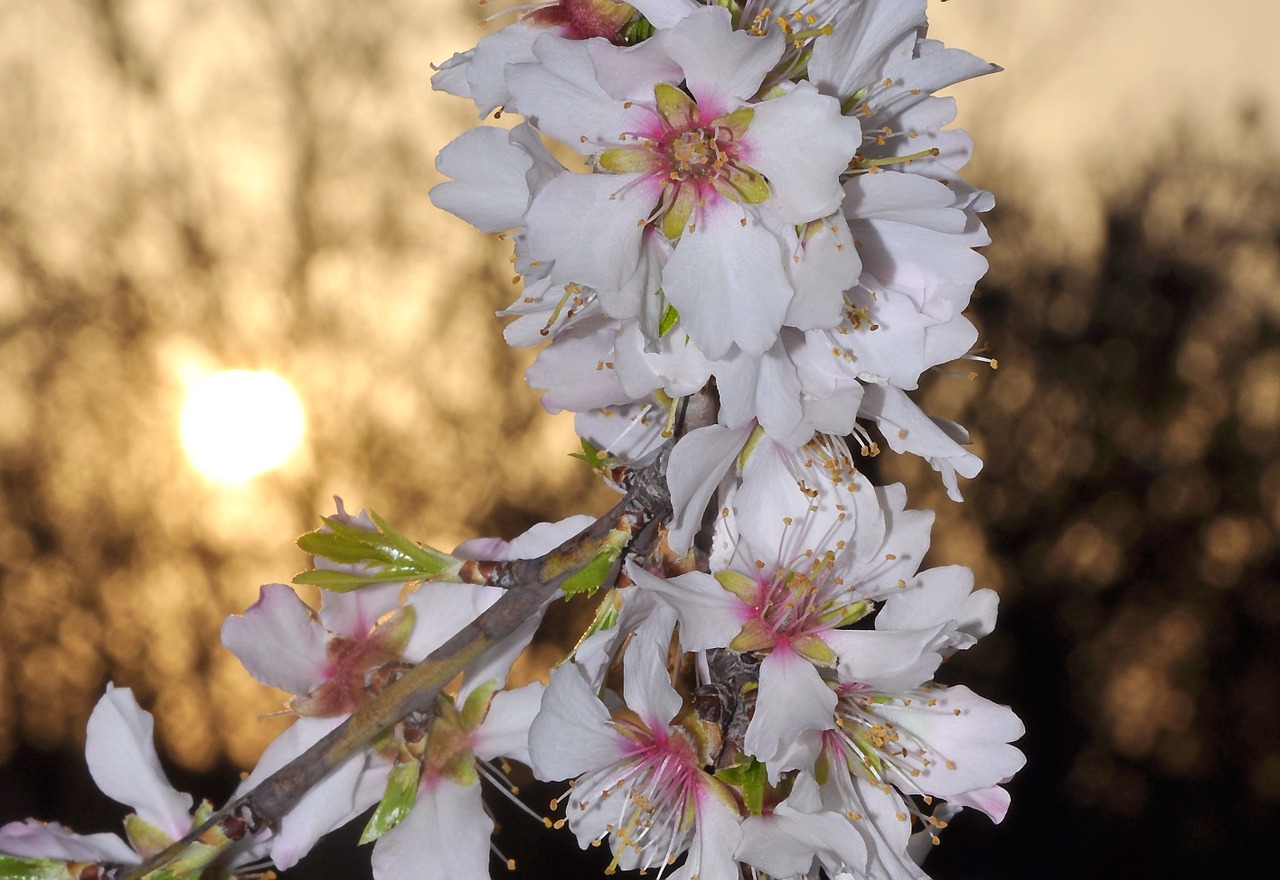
(767, 209)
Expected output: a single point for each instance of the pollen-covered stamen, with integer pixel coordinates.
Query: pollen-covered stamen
(864, 165)
(648, 798)
(798, 607)
(575, 297)
(880, 750)
(497, 777)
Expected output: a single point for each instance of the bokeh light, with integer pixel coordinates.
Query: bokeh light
(238, 424)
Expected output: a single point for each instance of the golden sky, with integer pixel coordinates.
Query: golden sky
(1093, 88)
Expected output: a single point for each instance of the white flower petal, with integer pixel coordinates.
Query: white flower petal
(121, 753)
(722, 66)
(862, 42)
(941, 595)
(801, 144)
(41, 840)
(891, 660)
(968, 737)
(279, 641)
(786, 842)
(354, 613)
(710, 616)
(576, 368)
(727, 280)
(697, 465)
(717, 832)
(571, 732)
(792, 700)
(445, 837)
(560, 95)
(665, 13)
(333, 802)
(591, 225)
(505, 731)
(489, 188)
(908, 429)
(442, 610)
(646, 684)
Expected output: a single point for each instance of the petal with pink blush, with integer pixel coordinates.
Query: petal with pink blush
(279, 641)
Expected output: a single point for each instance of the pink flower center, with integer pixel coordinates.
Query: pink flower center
(693, 160)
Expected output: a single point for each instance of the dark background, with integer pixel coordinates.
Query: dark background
(244, 185)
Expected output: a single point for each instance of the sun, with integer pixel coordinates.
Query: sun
(238, 424)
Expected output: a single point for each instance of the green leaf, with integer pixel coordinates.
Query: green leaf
(386, 555)
(15, 868)
(402, 792)
(600, 569)
(340, 581)
(750, 777)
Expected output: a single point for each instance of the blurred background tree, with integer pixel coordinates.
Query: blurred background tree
(194, 186)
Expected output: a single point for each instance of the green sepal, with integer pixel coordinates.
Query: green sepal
(814, 649)
(476, 706)
(668, 320)
(755, 635)
(144, 837)
(735, 123)
(757, 434)
(607, 614)
(849, 104)
(678, 214)
(742, 183)
(15, 868)
(750, 777)
(676, 108)
(846, 614)
(743, 586)
(400, 796)
(626, 160)
(391, 556)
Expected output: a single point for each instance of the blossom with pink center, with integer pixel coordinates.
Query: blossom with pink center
(639, 775)
(683, 144)
(929, 741)
(803, 549)
(329, 659)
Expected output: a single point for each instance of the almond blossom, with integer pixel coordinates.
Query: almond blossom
(714, 169)
(121, 754)
(638, 776)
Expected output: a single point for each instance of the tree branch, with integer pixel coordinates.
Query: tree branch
(530, 583)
